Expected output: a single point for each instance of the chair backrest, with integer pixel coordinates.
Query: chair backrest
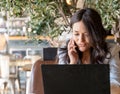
(36, 84)
(49, 53)
(4, 66)
(34, 58)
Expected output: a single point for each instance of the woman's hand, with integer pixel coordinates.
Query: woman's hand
(72, 53)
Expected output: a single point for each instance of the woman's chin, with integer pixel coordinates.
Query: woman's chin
(82, 50)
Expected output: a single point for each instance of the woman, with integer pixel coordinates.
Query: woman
(88, 45)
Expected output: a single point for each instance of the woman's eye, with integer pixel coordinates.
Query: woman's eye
(76, 34)
(86, 34)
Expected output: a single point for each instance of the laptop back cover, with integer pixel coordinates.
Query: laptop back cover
(76, 79)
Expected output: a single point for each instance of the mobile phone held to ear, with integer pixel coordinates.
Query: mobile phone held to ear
(77, 49)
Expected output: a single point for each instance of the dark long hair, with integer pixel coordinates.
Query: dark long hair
(93, 23)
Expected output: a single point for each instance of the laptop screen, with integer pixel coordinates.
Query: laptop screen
(76, 79)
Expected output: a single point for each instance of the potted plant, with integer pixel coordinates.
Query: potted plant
(110, 12)
(42, 13)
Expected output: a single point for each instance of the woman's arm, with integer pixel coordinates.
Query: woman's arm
(68, 54)
(63, 56)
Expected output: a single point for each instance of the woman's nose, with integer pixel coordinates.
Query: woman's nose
(81, 38)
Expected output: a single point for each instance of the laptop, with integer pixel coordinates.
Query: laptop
(76, 79)
(49, 53)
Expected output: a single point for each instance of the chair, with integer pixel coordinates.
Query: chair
(36, 84)
(4, 68)
(6, 79)
(27, 67)
(35, 81)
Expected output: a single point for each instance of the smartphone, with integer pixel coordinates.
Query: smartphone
(77, 49)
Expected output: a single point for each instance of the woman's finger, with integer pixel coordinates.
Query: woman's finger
(71, 46)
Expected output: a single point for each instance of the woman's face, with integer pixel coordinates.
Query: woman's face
(81, 36)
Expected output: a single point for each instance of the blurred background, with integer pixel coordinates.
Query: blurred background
(29, 26)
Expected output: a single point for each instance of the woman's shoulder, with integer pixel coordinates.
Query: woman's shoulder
(63, 54)
(63, 48)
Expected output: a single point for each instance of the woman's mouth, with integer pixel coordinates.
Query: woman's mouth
(82, 45)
